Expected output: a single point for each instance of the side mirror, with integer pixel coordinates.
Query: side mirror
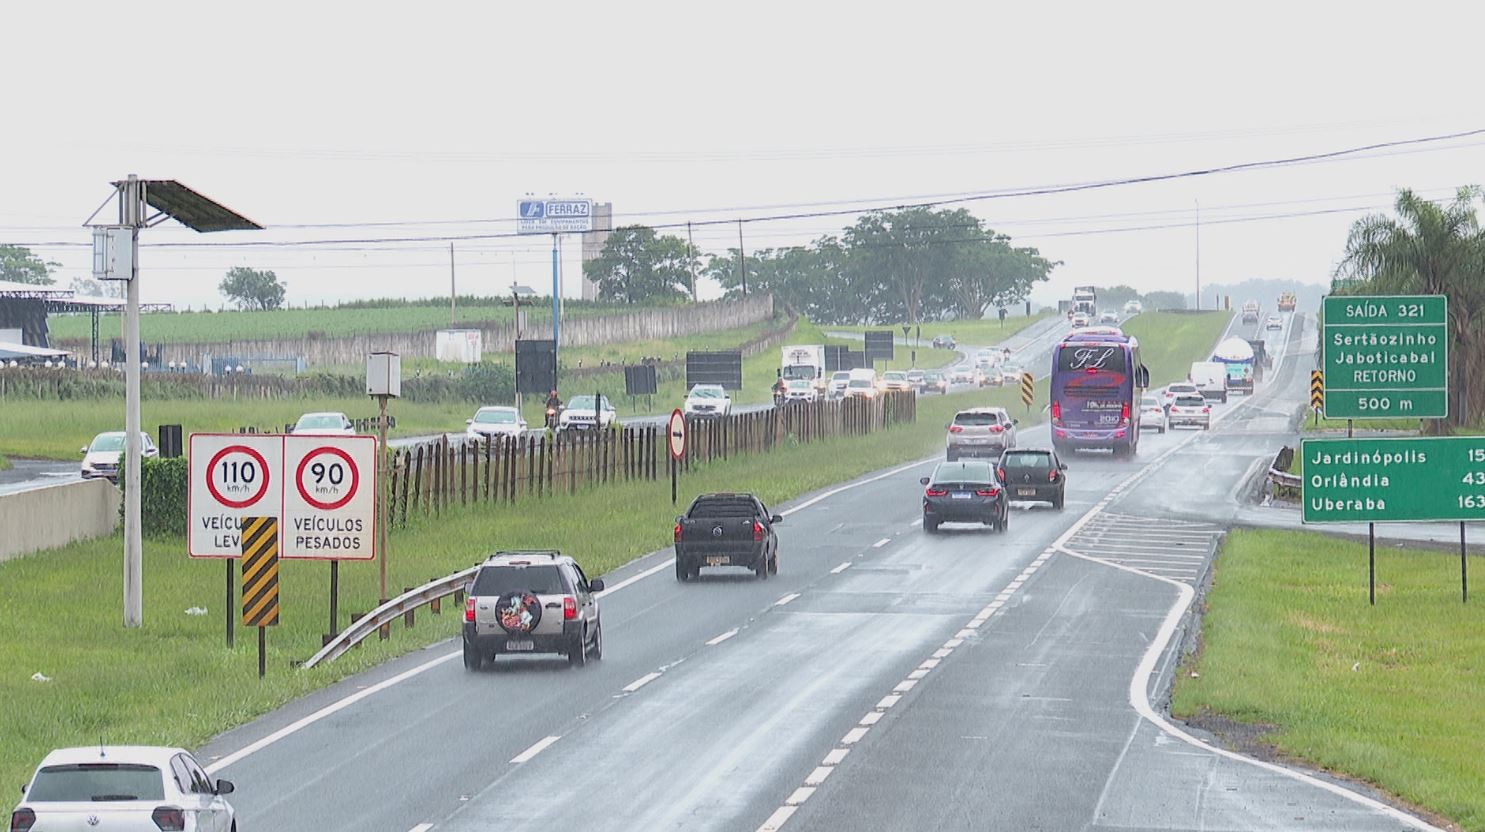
(1015, 421)
(923, 480)
(23, 788)
(777, 518)
(225, 787)
(468, 421)
(83, 450)
(595, 585)
(680, 518)
(1062, 466)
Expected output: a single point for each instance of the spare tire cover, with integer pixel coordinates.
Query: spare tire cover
(519, 612)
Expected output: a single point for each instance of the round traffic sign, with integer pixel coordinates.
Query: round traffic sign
(227, 474)
(327, 478)
(675, 434)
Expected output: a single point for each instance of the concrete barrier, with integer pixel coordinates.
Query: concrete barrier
(45, 518)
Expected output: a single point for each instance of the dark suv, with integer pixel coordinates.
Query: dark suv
(531, 602)
(1033, 474)
(966, 492)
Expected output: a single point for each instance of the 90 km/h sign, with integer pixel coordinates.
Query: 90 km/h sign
(329, 502)
(1394, 480)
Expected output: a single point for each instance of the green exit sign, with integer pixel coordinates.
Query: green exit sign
(1393, 480)
(1386, 356)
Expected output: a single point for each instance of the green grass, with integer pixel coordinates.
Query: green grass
(1171, 341)
(193, 327)
(1323, 425)
(974, 332)
(4, 464)
(1389, 694)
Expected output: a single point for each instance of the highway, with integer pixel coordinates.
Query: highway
(26, 474)
(885, 679)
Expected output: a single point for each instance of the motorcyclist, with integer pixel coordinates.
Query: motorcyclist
(778, 389)
(554, 407)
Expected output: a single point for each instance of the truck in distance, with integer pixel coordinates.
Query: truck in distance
(1287, 301)
(804, 361)
(1250, 312)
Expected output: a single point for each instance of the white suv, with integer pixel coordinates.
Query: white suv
(980, 431)
(580, 415)
(531, 602)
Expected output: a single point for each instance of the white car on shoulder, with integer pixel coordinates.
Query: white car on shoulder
(324, 424)
(708, 401)
(581, 415)
(491, 422)
(124, 787)
(837, 386)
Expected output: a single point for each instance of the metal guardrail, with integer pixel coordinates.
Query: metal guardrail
(400, 607)
(1280, 479)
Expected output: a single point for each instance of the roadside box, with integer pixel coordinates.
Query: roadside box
(384, 374)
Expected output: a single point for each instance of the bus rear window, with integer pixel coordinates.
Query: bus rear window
(1072, 358)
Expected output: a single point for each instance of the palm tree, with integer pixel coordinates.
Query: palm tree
(1429, 249)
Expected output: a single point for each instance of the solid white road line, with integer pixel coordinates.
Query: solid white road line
(847, 487)
(332, 708)
(540, 746)
(721, 638)
(632, 579)
(641, 682)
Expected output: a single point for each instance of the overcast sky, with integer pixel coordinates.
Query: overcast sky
(427, 114)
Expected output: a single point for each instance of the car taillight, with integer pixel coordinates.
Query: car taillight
(1052, 475)
(21, 820)
(987, 492)
(169, 819)
(937, 492)
(1207, 409)
(569, 608)
(678, 532)
(757, 532)
(469, 609)
(956, 429)
(996, 428)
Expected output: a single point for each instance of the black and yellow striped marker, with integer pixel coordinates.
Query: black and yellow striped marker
(259, 571)
(1026, 384)
(1317, 390)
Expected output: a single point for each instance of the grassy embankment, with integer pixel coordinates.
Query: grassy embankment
(1389, 694)
(173, 681)
(330, 322)
(1171, 341)
(976, 332)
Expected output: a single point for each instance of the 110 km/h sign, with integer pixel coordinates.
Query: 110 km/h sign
(1393, 480)
(1386, 356)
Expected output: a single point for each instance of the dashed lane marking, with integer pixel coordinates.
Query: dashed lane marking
(540, 746)
(721, 638)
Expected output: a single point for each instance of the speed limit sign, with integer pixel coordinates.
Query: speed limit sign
(329, 498)
(232, 476)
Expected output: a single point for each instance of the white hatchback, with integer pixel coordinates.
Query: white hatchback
(324, 424)
(1175, 391)
(1152, 414)
(124, 787)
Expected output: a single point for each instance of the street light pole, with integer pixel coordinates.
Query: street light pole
(131, 214)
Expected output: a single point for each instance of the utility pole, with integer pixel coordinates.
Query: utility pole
(453, 292)
(131, 214)
(690, 257)
(742, 259)
(1198, 254)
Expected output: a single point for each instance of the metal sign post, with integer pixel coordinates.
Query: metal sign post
(675, 440)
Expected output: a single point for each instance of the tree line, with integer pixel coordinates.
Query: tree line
(1429, 248)
(912, 264)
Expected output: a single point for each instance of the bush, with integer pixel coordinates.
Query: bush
(162, 489)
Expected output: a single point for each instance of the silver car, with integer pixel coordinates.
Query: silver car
(531, 602)
(980, 431)
(124, 787)
(101, 457)
(491, 422)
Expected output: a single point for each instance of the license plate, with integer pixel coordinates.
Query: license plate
(961, 495)
(520, 644)
(718, 561)
(1026, 492)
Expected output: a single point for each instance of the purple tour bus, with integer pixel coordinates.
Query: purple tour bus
(1097, 381)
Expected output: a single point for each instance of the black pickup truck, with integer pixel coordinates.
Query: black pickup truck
(726, 530)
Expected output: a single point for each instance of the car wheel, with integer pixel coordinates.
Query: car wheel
(1061, 497)
(682, 570)
(472, 659)
(577, 653)
(598, 641)
(773, 564)
(761, 568)
(929, 525)
(1206, 425)
(1162, 429)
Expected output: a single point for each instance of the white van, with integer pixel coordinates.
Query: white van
(863, 383)
(1210, 377)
